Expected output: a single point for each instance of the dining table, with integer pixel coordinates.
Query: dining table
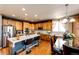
(72, 47)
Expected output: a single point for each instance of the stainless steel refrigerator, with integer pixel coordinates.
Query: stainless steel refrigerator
(8, 32)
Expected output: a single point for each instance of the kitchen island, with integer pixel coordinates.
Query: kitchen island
(17, 43)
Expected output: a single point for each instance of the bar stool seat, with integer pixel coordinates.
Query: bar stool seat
(27, 44)
(36, 39)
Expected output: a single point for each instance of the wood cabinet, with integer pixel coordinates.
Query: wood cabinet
(36, 26)
(9, 22)
(31, 26)
(25, 25)
(44, 25)
(5, 22)
(18, 25)
(13, 23)
(46, 37)
(49, 25)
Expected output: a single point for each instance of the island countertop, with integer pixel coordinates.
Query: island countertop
(21, 38)
(16, 43)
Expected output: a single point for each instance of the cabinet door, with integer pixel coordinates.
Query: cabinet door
(5, 22)
(18, 25)
(9, 22)
(49, 25)
(12, 22)
(25, 25)
(31, 26)
(36, 26)
(44, 26)
(45, 37)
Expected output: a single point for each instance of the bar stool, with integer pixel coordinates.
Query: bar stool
(28, 44)
(36, 39)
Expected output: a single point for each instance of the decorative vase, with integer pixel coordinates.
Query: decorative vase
(69, 42)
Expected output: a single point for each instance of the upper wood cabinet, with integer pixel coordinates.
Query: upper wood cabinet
(5, 22)
(18, 25)
(35, 26)
(25, 25)
(49, 25)
(12, 22)
(44, 25)
(31, 26)
(9, 22)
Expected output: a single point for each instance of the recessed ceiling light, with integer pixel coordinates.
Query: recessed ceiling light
(13, 15)
(26, 14)
(58, 17)
(23, 9)
(35, 15)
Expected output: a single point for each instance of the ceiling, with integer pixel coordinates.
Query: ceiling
(43, 11)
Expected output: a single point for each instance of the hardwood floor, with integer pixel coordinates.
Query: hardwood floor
(42, 49)
(4, 51)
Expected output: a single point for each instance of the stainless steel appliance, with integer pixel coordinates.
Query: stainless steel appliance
(8, 32)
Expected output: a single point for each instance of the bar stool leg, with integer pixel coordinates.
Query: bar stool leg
(27, 52)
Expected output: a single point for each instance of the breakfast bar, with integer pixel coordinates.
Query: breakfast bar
(18, 43)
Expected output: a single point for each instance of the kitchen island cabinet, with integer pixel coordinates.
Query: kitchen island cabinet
(17, 44)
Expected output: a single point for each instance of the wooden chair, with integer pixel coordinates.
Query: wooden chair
(54, 51)
(70, 50)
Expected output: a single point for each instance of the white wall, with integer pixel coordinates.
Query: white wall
(68, 27)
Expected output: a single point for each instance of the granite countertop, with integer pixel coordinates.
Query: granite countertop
(21, 38)
(42, 31)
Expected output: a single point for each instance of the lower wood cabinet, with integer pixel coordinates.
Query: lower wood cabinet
(45, 37)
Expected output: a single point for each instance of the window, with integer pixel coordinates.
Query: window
(58, 26)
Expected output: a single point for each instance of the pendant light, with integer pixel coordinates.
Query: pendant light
(72, 20)
(68, 19)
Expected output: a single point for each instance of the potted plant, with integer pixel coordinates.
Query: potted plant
(69, 37)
